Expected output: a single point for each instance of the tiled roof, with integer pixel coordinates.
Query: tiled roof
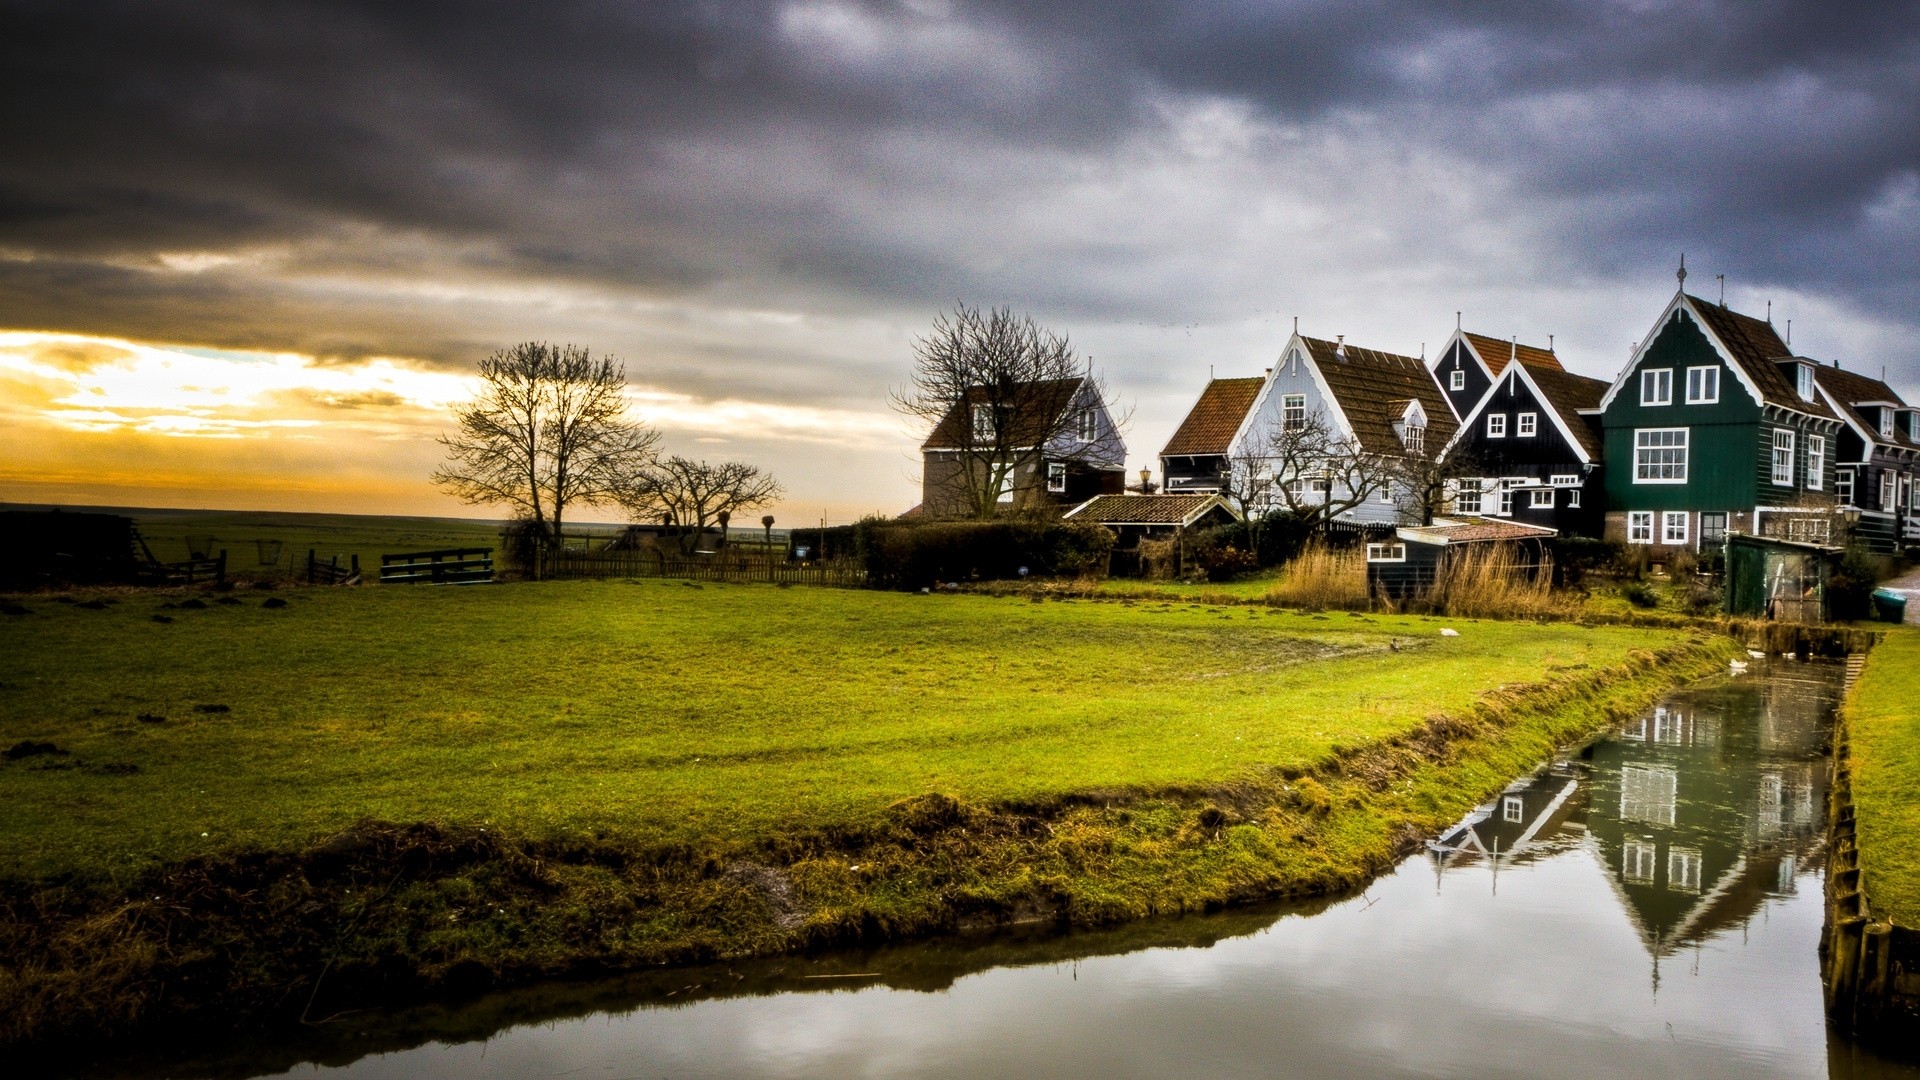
(1497, 353)
(1210, 424)
(1147, 509)
(1471, 530)
(1567, 394)
(1851, 389)
(1756, 347)
(1038, 406)
(1365, 383)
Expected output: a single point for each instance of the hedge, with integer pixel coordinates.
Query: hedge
(913, 555)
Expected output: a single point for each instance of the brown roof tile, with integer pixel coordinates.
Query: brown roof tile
(1210, 424)
(1366, 382)
(1567, 394)
(1470, 530)
(1756, 347)
(1851, 389)
(1497, 353)
(1145, 509)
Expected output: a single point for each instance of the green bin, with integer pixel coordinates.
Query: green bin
(1889, 606)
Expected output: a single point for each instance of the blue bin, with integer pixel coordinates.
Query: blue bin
(1889, 606)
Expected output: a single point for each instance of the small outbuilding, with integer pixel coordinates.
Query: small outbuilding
(1152, 518)
(1778, 579)
(1416, 556)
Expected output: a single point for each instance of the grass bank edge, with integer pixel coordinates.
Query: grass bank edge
(388, 912)
(1882, 718)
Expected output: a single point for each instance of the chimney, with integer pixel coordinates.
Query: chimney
(1340, 346)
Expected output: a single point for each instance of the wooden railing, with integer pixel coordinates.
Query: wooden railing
(453, 566)
(332, 571)
(652, 564)
(187, 572)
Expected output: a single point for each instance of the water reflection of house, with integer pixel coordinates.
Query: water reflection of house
(1533, 816)
(1706, 807)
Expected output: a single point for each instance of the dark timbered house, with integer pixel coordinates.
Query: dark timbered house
(1876, 459)
(1529, 450)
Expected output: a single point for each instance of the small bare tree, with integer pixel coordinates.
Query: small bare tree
(549, 428)
(1315, 471)
(1002, 397)
(690, 495)
(1423, 484)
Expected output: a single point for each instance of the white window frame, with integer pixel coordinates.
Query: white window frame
(1886, 423)
(1056, 476)
(1496, 425)
(1639, 526)
(1457, 380)
(1388, 551)
(1506, 495)
(1673, 527)
(1573, 498)
(1783, 457)
(982, 422)
(1540, 499)
(1913, 425)
(1513, 809)
(1474, 496)
(1816, 462)
(1526, 425)
(1564, 479)
(1683, 869)
(1089, 426)
(1293, 410)
(1803, 381)
(1843, 485)
(1645, 471)
(1656, 386)
(1703, 385)
(1637, 861)
(1886, 490)
(1416, 438)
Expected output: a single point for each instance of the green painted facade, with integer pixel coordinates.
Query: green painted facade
(1730, 441)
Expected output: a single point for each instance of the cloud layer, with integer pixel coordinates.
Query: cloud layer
(762, 202)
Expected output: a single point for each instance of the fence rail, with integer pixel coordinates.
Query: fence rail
(332, 571)
(648, 564)
(188, 572)
(452, 566)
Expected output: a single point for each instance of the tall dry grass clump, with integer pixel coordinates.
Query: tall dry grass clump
(1497, 581)
(1323, 577)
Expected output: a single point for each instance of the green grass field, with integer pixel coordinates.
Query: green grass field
(1883, 720)
(249, 537)
(672, 713)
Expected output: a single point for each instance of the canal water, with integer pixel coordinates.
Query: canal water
(1647, 906)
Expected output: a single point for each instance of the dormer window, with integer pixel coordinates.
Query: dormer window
(1088, 425)
(1913, 426)
(1886, 423)
(1416, 438)
(1804, 374)
(982, 423)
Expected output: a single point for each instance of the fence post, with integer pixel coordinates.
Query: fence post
(220, 570)
(310, 561)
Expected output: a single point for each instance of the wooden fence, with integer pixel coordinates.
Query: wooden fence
(189, 572)
(453, 566)
(332, 571)
(651, 564)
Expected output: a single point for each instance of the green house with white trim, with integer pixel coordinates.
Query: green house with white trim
(1716, 427)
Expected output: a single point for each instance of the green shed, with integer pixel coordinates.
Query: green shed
(1778, 579)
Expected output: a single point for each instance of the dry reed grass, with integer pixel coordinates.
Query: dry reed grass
(1497, 581)
(1321, 577)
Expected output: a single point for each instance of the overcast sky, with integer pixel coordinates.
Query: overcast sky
(340, 208)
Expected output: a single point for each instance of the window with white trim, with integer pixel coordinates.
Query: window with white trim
(1496, 426)
(1656, 386)
(1573, 498)
(982, 423)
(1416, 438)
(1388, 552)
(1056, 476)
(1540, 498)
(1660, 456)
(1703, 385)
(1088, 427)
(1513, 809)
(1783, 457)
(1457, 380)
(1506, 495)
(1673, 527)
(1886, 490)
(1637, 861)
(1527, 424)
(1468, 499)
(1816, 462)
(1713, 527)
(1564, 479)
(1913, 426)
(1843, 485)
(1886, 423)
(1293, 410)
(1639, 526)
(1683, 869)
(1803, 381)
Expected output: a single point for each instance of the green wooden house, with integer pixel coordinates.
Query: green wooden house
(1715, 427)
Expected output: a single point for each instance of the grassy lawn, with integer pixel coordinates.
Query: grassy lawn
(1883, 720)
(672, 713)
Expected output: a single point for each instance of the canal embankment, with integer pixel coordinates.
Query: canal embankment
(1871, 946)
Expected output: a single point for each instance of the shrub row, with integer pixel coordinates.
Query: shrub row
(913, 555)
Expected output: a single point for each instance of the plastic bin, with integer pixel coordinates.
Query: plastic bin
(1889, 606)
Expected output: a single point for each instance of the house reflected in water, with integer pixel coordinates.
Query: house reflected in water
(1699, 810)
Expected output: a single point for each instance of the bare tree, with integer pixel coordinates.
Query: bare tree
(549, 428)
(1002, 397)
(1313, 470)
(694, 494)
(1423, 485)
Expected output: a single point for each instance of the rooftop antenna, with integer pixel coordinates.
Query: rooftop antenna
(1789, 335)
(1549, 342)
(1722, 278)
(1682, 275)
(1769, 312)
(1423, 352)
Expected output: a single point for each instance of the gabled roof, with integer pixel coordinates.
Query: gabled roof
(1365, 383)
(1040, 405)
(1756, 348)
(1848, 391)
(1470, 530)
(1211, 423)
(1150, 509)
(1496, 353)
(1567, 394)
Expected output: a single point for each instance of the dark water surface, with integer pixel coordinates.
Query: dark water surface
(1649, 906)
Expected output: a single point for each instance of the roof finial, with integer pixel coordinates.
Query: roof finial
(1769, 312)
(1513, 349)
(1723, 288)
(1296, 324)
(1456, 322)
(1789, 335)
(1549, 342)
(1682, 275)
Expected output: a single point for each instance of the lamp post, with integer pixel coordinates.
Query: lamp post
(766, 536)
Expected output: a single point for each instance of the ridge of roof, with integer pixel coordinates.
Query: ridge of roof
(1498, 352)
(1365, 382)
(1166, 509)
(1757, 347)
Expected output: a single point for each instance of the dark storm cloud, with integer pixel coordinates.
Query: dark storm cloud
(868, 157)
